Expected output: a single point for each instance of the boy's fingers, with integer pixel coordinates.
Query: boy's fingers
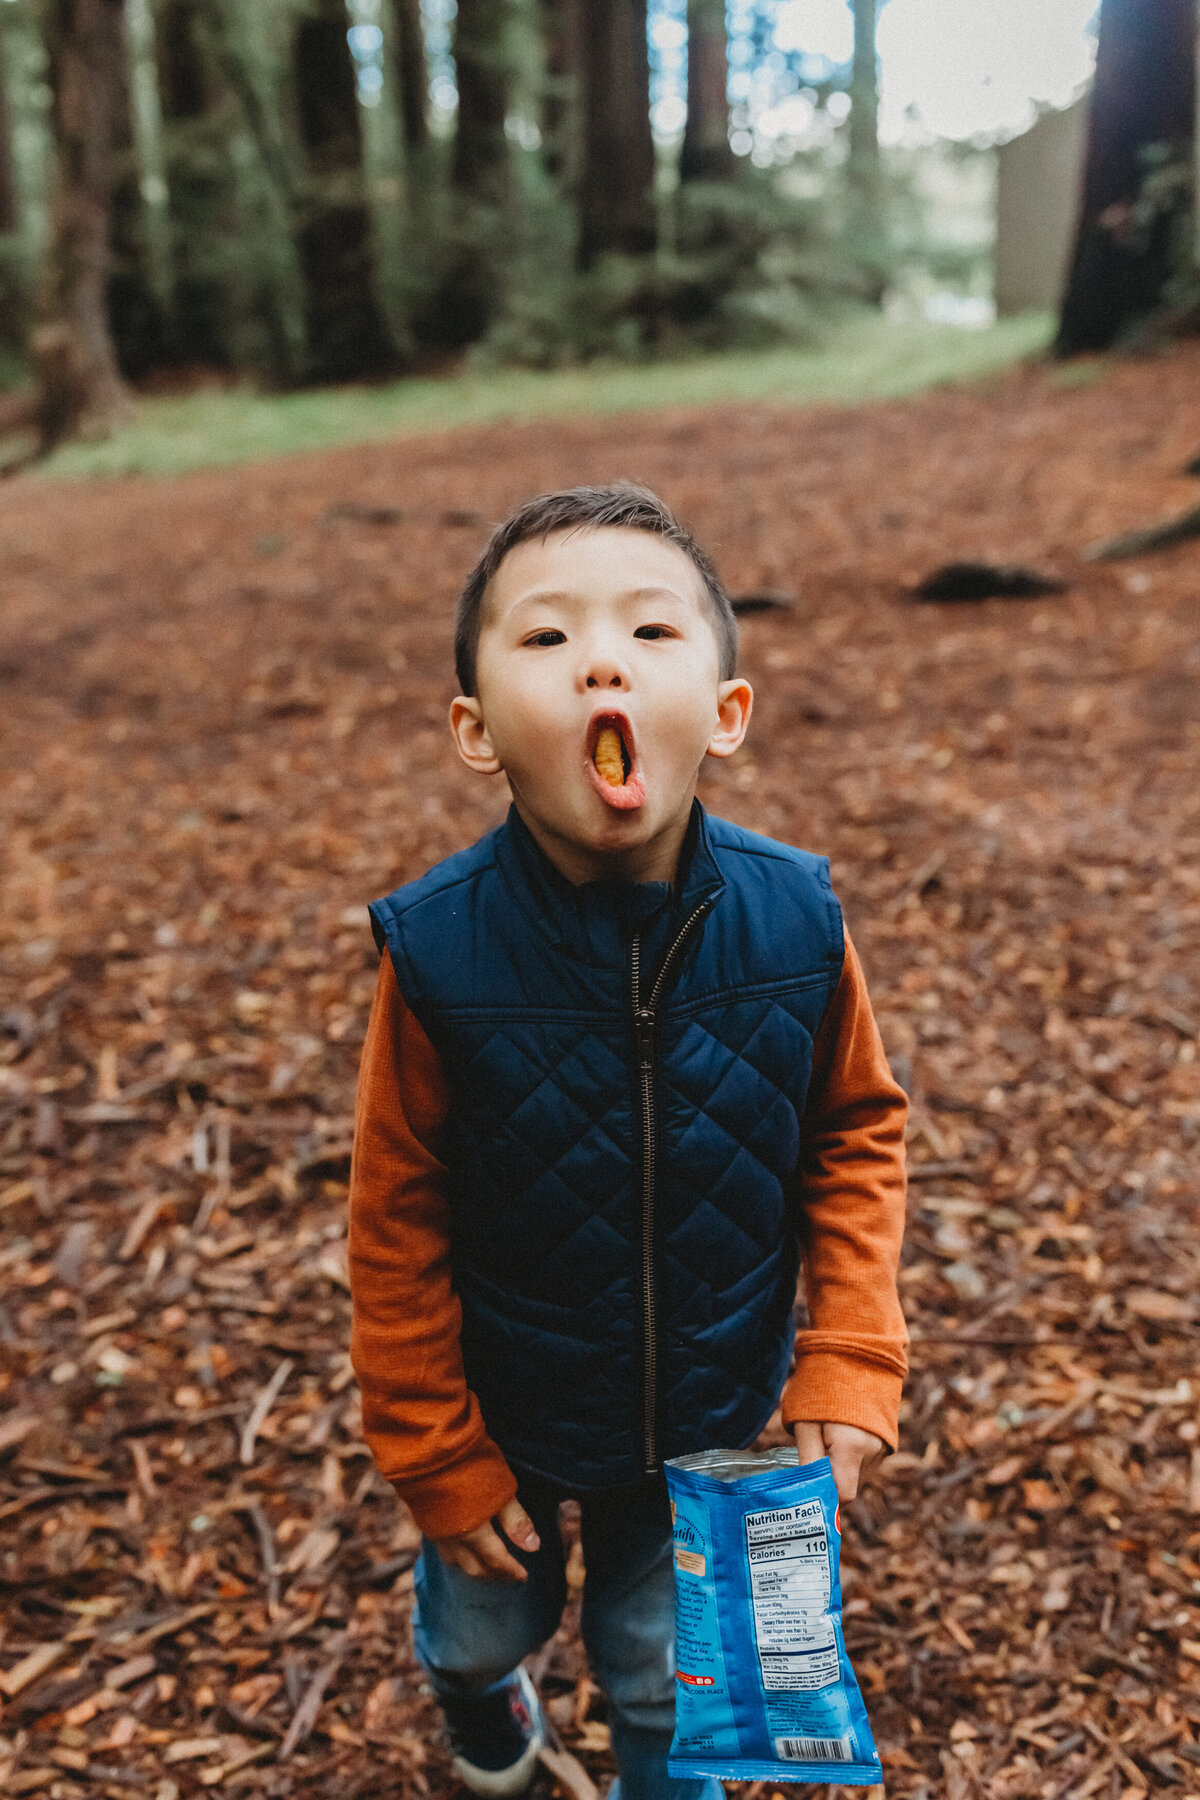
(810, 1444)
(482, 1555)
(851, 1451)
(846, 1461)
(518, 1527)
(499, 1564)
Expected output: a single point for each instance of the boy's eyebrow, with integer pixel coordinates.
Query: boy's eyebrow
(564, 596)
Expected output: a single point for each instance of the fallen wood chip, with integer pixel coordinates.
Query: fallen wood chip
(261, 1408)
(1151, 537)
(30, 1667)
(140, 1226)
(187, 1749)
(14, 1430)
(27, 1781)
(142, 1468)
(167, 1627)
(222, 1771)
(942, 1171)
(305, 1715)
(569, 1772)
(266, 1546)
(20, 1190)
(112, 1321)
(133, 1670)
(916, 884)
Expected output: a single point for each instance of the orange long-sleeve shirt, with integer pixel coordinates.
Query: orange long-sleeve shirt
(421, 1421)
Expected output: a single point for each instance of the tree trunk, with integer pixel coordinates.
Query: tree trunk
(412, 73)
(346, 336)
(1144, 98)
(72, 348)
(482, 163)
(147, 122)
(560, 26)
(139, 283)
(865, 172)
(706, 155)
(244, 46)
(8, 179)
(617, 198)
(209, 291)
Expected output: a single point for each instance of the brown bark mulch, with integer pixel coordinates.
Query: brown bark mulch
(223, 703)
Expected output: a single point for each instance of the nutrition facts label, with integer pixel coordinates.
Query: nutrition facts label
(790, 1585)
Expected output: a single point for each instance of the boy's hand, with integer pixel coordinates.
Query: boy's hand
(482, 1552)
(850, 1450)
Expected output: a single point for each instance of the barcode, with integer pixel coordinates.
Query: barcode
(806, 1749)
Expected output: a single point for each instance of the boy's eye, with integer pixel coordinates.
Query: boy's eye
(653, 631)
(544, 639)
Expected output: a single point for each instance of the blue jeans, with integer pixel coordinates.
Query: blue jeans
(470, 1633)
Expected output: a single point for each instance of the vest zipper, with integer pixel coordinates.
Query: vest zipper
(645, 1021)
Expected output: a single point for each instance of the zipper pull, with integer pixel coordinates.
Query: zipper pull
(643, 1027)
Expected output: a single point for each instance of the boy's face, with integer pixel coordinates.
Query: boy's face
(585, 634)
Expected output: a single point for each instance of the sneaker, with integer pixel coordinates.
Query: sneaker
(496, 1736)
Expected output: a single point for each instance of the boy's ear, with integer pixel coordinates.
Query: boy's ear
(471, 735)
(735, 702)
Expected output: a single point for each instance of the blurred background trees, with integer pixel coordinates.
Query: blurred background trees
(1135, 233)
(323, 190)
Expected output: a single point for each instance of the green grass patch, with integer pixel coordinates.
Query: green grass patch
(869, 359)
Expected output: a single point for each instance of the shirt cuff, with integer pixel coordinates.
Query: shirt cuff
(454, 1500)
(847, 1386)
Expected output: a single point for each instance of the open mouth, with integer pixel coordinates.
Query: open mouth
(612, 762)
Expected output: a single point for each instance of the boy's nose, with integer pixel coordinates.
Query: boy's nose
(604, 669)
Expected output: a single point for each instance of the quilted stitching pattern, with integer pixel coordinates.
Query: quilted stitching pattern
(542, 1148)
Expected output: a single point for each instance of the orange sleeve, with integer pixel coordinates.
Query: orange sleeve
(851, 1362)
(420, 1420)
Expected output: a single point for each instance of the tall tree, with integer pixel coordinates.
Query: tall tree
(1143, 102)
(346, 336)
(706, 155)
(616, 209)
(482, 63)
(147, 122)
(72, 346)
(208, 284)
(864, 167)
(560, 26)
(8, 179)
(412, 72)
(248, 44)
(139, 282)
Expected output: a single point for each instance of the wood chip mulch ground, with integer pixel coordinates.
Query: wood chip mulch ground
(222, 732)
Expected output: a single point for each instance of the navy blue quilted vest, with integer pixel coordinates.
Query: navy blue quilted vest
(627, 1068)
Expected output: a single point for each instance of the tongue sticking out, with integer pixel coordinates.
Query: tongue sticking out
(609, 757)
(613, 773)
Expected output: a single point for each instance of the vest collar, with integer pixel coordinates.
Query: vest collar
(595, 921)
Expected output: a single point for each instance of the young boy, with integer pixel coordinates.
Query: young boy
(621, 1076)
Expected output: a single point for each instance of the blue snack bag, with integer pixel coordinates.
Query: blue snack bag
(763, 1686)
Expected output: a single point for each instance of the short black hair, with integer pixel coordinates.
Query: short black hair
(623, 504)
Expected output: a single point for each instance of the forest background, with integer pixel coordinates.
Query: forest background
(313, 191)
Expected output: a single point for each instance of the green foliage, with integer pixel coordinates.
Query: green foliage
(744, 266)
(1167, 205)
(298, 237)
(867, 357)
